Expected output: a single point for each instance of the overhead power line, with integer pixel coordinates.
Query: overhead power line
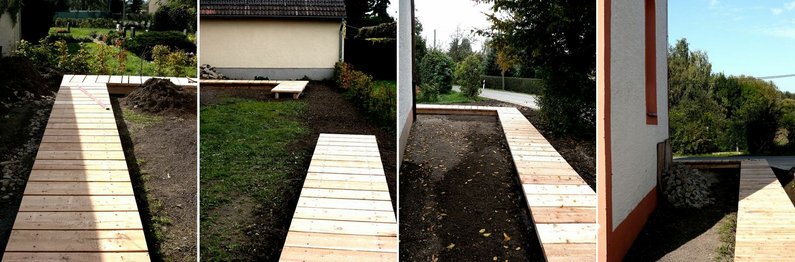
(778, 76)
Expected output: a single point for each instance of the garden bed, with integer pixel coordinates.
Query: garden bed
(677, 234)
(255, 154)
(465, 200)
(161, 155)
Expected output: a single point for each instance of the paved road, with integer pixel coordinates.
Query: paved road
(780, 162)
(508, 97)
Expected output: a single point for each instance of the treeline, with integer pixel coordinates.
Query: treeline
(712, 112)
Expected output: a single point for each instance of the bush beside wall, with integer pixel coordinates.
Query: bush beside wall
(378, 100)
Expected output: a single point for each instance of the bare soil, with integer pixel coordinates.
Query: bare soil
(158, 95)
(674, 234)
(161, 156)
(460, 197)
(327, 111)
(26, 98)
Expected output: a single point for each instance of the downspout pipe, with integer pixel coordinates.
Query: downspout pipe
(342, 40)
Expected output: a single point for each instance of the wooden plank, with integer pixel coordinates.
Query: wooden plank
(78, 221)
(80, 146)
(341, 242)
(290, 254)
(79, 175)
(349, 204)
(344, 214)
(343, 227)
(81, 155)
(79, 188)
(43, 164)
(81, 139)
(78, 203)
(75, 256)
(76, 241)
(345, 194)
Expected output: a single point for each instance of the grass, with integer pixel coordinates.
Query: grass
(452, 98)
(79, 31)
(726, 230)
(141, 120)
(715, 154)
(246, 159)
(132, 65)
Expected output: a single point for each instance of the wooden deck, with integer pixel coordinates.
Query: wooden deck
(78, 203)
(295, 88)
(117, 84)
(765, 216)
(562, 205)
(344, 212)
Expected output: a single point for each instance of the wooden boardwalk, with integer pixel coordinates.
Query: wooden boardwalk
(562, 205)
(78, 204)
(344, 212)
(765, 216)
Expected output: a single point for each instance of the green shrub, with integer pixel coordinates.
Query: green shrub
(378, 100)
(436, 69)
(86, 22)
(101, 57)
(468, 75)
(66, 38)
(176, 62)
(168, 18)
(40, 54)
(160, 59)
(429, 93)
(142, 44)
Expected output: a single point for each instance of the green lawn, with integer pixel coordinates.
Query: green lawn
(80, 32)
(133, 63)
(451, 98)
(245, 162)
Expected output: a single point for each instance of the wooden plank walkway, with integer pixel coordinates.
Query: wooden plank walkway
(78, 204)
(344, 212)
(562, 205)
(765, 216)
(296, 88)
(117, 84)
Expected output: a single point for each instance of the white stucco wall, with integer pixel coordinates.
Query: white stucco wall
(634, 143)
(270, 43)
(10, 33)
(404, 73)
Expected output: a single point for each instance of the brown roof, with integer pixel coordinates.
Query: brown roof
(273, 8)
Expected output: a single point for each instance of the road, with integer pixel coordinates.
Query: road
(508, 97)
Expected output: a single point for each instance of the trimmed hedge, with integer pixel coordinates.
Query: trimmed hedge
(531, 86)
(436, 72)
(378, 101)
(142, 44)
(86, 22)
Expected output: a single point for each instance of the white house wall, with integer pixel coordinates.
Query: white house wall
(278, 49)
(634, 143)
(405, 103)
(10, 32)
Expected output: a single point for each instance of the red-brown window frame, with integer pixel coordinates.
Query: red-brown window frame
(651, 62)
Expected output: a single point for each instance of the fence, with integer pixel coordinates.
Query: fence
(531, 86)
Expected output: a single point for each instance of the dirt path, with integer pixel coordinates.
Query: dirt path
(457, 180)
(692, 235)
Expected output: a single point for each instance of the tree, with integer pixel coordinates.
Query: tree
(367, 12)
(468, 75)
(697, 121)
(788, 119)
(460, 46)
(37, 18)
(135, 6)
(87, 4)
(759, 113)
(436, 70)
(420, 45)
(558, 39)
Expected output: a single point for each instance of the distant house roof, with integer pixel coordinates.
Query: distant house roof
(273, 8)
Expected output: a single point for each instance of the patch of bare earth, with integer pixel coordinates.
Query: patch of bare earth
(460, 197)
(161, 155)
(681, 234)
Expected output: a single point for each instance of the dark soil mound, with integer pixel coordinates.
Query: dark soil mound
(160, 96)
(20, 79)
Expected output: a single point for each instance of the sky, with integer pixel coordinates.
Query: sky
(447, 15)
(741, 37)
